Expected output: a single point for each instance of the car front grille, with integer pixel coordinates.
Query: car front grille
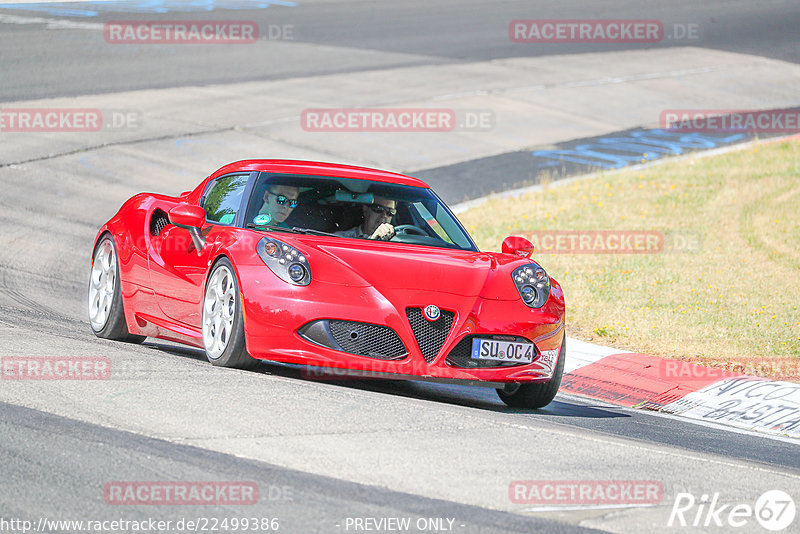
(366, 339)
(460, 355)
(430, 335)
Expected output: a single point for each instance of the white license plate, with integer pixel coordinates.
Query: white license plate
(502, 351)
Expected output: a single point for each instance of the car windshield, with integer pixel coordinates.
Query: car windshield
(354, 209)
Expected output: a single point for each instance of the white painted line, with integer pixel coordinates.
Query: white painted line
(51, 24)
(581, 354)
(572, 508)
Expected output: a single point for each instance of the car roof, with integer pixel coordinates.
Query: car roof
(318, 168)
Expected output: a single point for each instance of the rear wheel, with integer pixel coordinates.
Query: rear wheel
(106, 313)
(536, 394)
(223, 324)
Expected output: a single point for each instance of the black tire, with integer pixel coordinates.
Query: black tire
(538, 394)
(113, 326)
(235, 353)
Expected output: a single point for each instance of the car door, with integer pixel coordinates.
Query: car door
(177, 268)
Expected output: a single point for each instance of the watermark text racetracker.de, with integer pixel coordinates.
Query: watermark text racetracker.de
(395, 119)
(767, 121)
(600, 31)
(52, 120)
(180, 493)
(184, 524)
(195, 32)
(54, 368)
(775, 368)
(600, 493)
(611, 241)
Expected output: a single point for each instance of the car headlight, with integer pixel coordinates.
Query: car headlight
(533, 284)
(288, 263)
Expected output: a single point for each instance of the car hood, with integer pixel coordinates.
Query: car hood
(390, 266)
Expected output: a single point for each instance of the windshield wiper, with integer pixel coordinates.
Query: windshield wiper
(270, 227)
(312, 231)
(293, 230)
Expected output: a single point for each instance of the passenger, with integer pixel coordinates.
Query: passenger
(377, 221)
(279, 201)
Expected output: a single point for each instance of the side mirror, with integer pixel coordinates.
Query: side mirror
(187, 216)
(520, 246)
(191, 218)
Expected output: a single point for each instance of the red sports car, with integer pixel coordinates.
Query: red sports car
(331, 266)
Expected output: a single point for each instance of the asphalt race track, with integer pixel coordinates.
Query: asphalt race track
(326, 453)
(355, 36)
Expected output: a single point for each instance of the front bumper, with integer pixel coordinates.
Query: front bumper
(274, 317)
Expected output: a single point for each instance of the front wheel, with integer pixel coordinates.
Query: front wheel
(536, 394)
(223, 324)
(106, 313)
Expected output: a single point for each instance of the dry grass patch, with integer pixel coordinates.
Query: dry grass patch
(730, 300)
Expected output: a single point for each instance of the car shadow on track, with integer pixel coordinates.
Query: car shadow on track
(483, 398)
(178, 350)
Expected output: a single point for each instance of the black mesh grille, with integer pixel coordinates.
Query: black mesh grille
(460, 355)
(158, 221)
(430, 334)
(365, 339)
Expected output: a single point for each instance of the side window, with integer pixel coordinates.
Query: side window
(441, 222)
(223, 199)
(431, 220)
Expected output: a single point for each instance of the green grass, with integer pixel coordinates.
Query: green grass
(732, 301)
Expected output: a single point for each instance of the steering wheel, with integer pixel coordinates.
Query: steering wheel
(409, 229)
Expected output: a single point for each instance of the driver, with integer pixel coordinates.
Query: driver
(279, 201)
(377, 221)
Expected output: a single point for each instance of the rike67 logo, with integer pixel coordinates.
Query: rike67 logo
(774, 510)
